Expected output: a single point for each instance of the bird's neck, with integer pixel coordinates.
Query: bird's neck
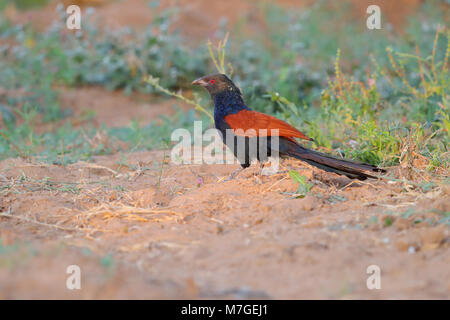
(227, 102)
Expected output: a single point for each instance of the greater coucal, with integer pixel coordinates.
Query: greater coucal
(230, 112)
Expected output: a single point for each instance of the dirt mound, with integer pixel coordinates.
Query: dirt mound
(141, 229)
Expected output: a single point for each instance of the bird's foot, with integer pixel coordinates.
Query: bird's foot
(269, 168)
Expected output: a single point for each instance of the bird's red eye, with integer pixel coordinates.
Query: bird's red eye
(212, 81)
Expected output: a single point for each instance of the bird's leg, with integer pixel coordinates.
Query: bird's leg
(261, 168)
(258, 176)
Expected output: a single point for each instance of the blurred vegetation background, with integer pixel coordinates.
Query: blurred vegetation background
(379, 96)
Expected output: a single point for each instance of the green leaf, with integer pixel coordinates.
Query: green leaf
(388, 222)
(297, 177)
(303, 186)
(8, 116)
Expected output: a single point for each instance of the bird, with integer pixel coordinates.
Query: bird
(249, 126)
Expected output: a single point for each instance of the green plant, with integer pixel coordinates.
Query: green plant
(387, 107)
(155, 82)
(303, 186)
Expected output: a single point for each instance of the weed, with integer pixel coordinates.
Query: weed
(303, 186)
(388, 107)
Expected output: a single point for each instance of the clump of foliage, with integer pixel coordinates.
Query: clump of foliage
(382, 106)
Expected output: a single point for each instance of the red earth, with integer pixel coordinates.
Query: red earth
(139, 226)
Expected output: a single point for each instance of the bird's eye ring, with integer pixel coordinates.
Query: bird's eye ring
(212, 81)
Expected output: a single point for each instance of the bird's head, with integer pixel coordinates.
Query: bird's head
(217, 83)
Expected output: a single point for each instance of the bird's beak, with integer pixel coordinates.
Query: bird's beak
(199, 82)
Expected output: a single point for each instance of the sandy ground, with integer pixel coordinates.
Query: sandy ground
(139, 231)
(141, 227)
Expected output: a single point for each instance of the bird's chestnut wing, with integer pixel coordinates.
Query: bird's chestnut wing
(245, 120)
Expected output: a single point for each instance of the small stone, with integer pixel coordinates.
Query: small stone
(432, 238)
(401, 245)
(404, 242)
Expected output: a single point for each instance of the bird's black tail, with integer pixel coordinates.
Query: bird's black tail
(325, 162)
